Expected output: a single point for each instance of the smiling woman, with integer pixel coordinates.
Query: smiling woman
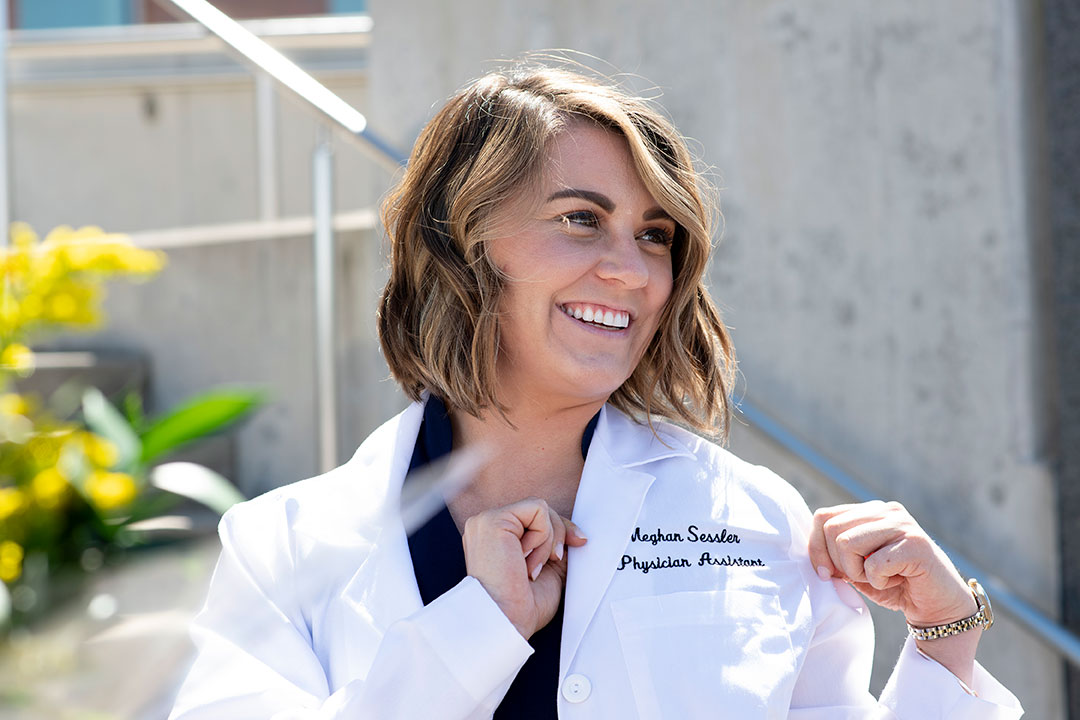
(545, 302)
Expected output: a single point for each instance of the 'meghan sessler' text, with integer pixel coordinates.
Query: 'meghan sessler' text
(693, 534)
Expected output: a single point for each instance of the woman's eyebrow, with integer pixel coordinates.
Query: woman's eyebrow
(591, 195)
(655, 213)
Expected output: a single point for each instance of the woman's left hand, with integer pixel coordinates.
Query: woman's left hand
(880, 549)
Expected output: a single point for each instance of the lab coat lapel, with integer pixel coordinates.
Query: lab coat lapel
(609, 500)
(383, 588)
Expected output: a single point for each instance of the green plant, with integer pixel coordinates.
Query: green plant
(74, 489)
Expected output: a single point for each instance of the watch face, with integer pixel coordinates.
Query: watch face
(983, 602)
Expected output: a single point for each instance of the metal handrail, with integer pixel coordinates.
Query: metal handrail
(338, 114)
(271, 61)
(1034, 620)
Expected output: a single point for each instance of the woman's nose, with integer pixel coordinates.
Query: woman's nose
(624, 262)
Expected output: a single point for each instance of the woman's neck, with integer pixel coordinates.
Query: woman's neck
(539, 456)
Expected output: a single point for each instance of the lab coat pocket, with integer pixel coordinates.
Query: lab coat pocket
(707, 654)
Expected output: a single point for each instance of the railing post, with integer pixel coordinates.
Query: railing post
(266, 140)
(325, 376)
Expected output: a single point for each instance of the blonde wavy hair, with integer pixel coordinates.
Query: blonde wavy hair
(438, 315)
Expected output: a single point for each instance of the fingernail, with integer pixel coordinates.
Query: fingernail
(823, 573)
(559, 550)
(536, 572)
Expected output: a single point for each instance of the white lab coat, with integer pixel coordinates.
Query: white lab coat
(313, 610)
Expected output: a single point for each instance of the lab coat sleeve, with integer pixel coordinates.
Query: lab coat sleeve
(454, 658)
(835, 676)
(836, 673)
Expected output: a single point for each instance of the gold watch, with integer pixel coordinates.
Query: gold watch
(983, 618)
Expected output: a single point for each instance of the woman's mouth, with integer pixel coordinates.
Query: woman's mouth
(597, 315)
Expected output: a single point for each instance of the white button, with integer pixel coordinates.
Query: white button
(576, 688)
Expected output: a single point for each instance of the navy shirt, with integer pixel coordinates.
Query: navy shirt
(439, 562)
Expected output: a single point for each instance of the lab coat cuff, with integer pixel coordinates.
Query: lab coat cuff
(478, 643)
(923, 689)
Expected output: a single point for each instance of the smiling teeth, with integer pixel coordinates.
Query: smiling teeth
(607, 318)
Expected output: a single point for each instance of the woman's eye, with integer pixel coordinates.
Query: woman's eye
(658, 236)
(581, 218)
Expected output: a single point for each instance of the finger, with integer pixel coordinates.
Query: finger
(829, 522)
(574, 536)
(866, 538)
(819, 552)
(537, 544)
(833, 510)
(835, 521)
(889, 566)
(558, 537)
(861, 540)
(535, 518)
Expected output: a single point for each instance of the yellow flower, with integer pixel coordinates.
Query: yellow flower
(62, 306)
(23, 236)
(31, 308)
(11, 557)
(49, 487)
(45, 448)
(138, 260)
(61, 234)
(10, 314)
(99, 451)
(12, 501)
(13, 404)
(17, 357)
(109, 490)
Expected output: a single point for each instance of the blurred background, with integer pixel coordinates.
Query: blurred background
(899, 266)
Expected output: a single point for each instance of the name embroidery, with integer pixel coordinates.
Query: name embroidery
(693, 534)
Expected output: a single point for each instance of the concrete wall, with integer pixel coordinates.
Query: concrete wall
(133, 156)
(877, 266)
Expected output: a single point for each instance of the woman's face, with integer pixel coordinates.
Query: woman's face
(588, 273)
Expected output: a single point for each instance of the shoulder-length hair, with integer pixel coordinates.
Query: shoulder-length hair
(438, 314)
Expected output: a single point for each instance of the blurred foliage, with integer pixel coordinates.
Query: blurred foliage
(74, 489)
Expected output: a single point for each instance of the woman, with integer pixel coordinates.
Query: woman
(546, 301)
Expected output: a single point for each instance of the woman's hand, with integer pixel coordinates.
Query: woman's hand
(518, 553)
(880, 549)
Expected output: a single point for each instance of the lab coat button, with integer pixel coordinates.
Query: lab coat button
(576, 688)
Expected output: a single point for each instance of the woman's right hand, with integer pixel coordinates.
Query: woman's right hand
(518, 553)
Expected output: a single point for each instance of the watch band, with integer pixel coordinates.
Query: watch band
(983, 618)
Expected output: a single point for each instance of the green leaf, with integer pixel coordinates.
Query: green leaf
(105, 420)
(198, 483)
(150, 505)
(133, 410)
(196, 418)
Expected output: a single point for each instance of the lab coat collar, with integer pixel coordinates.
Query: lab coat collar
(629, 443)
(383, 472)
